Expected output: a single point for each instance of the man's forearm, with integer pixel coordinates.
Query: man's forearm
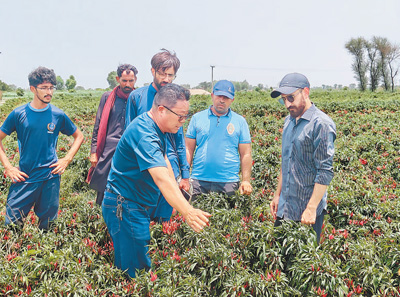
(169, 189)
(78, 139)
(316, 197)
(3, 158)
(246, 163)
(190, 146)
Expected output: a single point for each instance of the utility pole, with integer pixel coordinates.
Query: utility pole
(212, 77)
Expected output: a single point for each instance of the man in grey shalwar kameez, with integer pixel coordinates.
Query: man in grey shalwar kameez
(108, 128)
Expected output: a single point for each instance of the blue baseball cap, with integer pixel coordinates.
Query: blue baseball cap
(290, 83)
(224, 88)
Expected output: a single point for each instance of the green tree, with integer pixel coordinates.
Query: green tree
(392, 61)
(4, 87)
(241, 86)
(383, 45)
(205, 85)
(60, 83)
(112, 79)
(70, 83)
(20, 92)
(356, 47)
(374, 64)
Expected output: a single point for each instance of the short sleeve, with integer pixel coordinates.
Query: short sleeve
(68, 127)
(9, 125)
(244, 133)
(191, 130)
(149, 153)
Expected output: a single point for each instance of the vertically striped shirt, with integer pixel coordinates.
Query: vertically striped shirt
(307, 158)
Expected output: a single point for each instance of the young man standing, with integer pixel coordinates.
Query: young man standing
(36, 182)
(164, 66)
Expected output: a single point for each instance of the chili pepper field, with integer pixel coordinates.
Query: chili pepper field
(240, 253)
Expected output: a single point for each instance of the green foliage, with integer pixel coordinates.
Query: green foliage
(112, 80)
(240, 253)
(20, 92)
(60, 83)
(4, 87)
(378, 57)
(70, 83)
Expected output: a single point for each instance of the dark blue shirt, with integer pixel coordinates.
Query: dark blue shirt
(37, 133)
(140, 101)
(307, 158)
(141, 147)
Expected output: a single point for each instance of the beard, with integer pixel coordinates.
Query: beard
(46, 99)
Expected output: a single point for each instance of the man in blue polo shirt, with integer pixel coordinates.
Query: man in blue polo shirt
(164, 66)
(307, 156)
(140, 172)
(223, 142)
(36, 182)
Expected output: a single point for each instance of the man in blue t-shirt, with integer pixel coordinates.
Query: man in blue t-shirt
(219, 139)
(164, 66)
(36, 182)
(140, 173)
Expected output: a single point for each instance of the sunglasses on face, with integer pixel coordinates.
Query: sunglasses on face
(290, 97)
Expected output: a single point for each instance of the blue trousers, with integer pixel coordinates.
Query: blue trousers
(129, 226)
(44, 196)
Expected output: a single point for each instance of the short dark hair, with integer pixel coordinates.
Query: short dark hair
(126, 67)
(169, 94)
(164, 60)
(42, 75)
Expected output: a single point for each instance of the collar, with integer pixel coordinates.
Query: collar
(307, 115)
(38, 110)
(153, 89)
(210, 112)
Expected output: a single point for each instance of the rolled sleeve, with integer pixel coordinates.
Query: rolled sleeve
(323, 154)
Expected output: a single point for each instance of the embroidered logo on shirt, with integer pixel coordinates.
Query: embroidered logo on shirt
(51, 127)
(230, 128)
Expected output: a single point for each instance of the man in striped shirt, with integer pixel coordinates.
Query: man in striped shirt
(307, 156)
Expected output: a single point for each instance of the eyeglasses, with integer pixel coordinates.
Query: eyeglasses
(164, 75)
(289, 98)
(51, 89)
(181, 118)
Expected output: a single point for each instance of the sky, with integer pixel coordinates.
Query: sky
(255, 40)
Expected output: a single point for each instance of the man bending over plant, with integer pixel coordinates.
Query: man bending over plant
(140, 172)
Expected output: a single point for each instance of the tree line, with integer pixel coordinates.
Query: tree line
(69, 84)
(375, 62)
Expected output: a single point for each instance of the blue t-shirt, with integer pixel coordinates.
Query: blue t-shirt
(140, 101)
(216, 158)
(141, 147)
(37, 133)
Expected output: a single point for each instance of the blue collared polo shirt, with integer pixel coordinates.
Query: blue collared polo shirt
(216, 158)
